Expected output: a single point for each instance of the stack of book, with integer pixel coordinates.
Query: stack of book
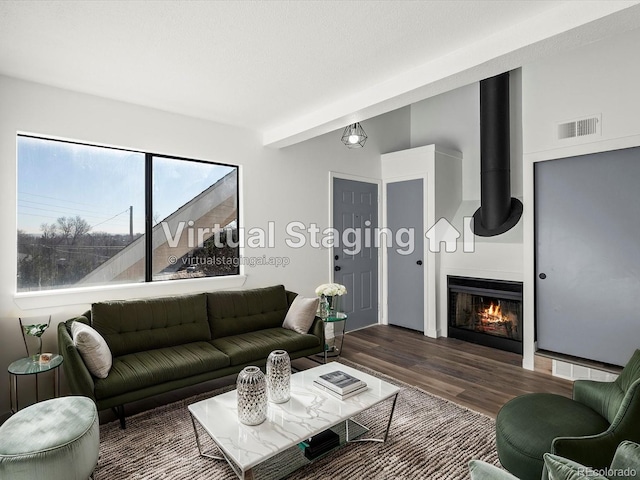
(340, 384)
(320, 444)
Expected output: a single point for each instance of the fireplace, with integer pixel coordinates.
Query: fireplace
(488, 312)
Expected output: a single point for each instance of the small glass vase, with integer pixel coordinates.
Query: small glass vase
(324, 307)
(279, 376)
(252, 396)
(33, 345)
(333, 305)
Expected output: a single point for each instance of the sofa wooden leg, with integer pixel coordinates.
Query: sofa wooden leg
(119, 411)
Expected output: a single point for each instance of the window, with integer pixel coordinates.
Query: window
(92, 215)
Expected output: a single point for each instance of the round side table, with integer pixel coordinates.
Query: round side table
(336, 319)
(31, 366)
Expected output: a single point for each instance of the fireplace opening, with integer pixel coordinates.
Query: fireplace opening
(488, 312)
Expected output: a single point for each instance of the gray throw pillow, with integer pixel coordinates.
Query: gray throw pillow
(626, 462)
(560, 468)
(93, 349)
(301, 314)
(484, 471)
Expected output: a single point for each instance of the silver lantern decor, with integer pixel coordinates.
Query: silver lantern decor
(252, 396)
(279, 376)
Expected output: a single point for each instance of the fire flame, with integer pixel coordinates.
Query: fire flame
(493, 314)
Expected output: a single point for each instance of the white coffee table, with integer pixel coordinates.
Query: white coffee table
(309, 412)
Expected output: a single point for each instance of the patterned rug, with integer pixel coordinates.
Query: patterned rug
(430, 438)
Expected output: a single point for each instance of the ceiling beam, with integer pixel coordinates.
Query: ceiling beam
(567, 26)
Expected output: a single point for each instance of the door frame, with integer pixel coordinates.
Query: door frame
(378, 183)
(429, 313)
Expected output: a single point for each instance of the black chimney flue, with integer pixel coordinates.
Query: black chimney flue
(498, 212)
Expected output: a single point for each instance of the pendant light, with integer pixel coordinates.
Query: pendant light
(354, 136)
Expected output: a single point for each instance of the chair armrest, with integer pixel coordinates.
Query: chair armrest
(595, 451)
(78, 376)
(598, 450)
(317, 329)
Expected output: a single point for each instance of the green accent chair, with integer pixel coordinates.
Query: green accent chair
(625, 466)
(586, 429)
(57, 439)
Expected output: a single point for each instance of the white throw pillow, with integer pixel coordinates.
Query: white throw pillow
(301, 314)
(93, 349)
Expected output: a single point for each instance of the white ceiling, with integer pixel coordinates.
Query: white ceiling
(289, 69)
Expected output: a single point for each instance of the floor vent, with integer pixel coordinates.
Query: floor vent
(579, 128)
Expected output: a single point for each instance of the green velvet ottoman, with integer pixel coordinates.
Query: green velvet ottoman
(527, 425)
(56, 439)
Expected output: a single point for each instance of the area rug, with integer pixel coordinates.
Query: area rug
(430, 438)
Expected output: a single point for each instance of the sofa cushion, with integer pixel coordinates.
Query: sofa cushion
(141, 325)
(236, 312)
(256, 346)
(301, 314)
(139, 370)
(93, 349)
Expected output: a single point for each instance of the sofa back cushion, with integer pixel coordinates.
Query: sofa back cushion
(237, 312)
(140, 325)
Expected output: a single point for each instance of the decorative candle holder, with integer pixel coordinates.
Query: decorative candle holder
(252, 396)
(279, 376)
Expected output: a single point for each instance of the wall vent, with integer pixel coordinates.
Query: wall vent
(579, 128)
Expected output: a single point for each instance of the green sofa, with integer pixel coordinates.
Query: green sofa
(158, 345)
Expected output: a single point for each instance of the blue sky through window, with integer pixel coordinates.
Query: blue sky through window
(58, 179)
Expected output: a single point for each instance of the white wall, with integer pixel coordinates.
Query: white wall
(452, 120)
(277, 185)
(600, 78)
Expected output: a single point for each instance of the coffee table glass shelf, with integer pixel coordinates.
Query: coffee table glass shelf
(271, 449)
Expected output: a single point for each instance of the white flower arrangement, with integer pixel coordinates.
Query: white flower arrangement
(331, 290)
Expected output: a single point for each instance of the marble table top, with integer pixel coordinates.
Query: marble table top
(308, 412)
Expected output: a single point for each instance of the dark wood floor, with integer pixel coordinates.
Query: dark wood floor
(477, 377)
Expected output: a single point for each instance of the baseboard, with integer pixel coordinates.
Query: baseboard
(575, 368)
(582, 362)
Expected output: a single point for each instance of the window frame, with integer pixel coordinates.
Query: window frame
(25, 299)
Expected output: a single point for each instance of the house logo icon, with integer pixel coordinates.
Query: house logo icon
(444, 232)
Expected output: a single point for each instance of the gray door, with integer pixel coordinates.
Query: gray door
(355, 263)
(588, 255)
(405, 280)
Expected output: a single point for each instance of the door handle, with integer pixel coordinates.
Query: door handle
(337, 268)
(419, 262)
